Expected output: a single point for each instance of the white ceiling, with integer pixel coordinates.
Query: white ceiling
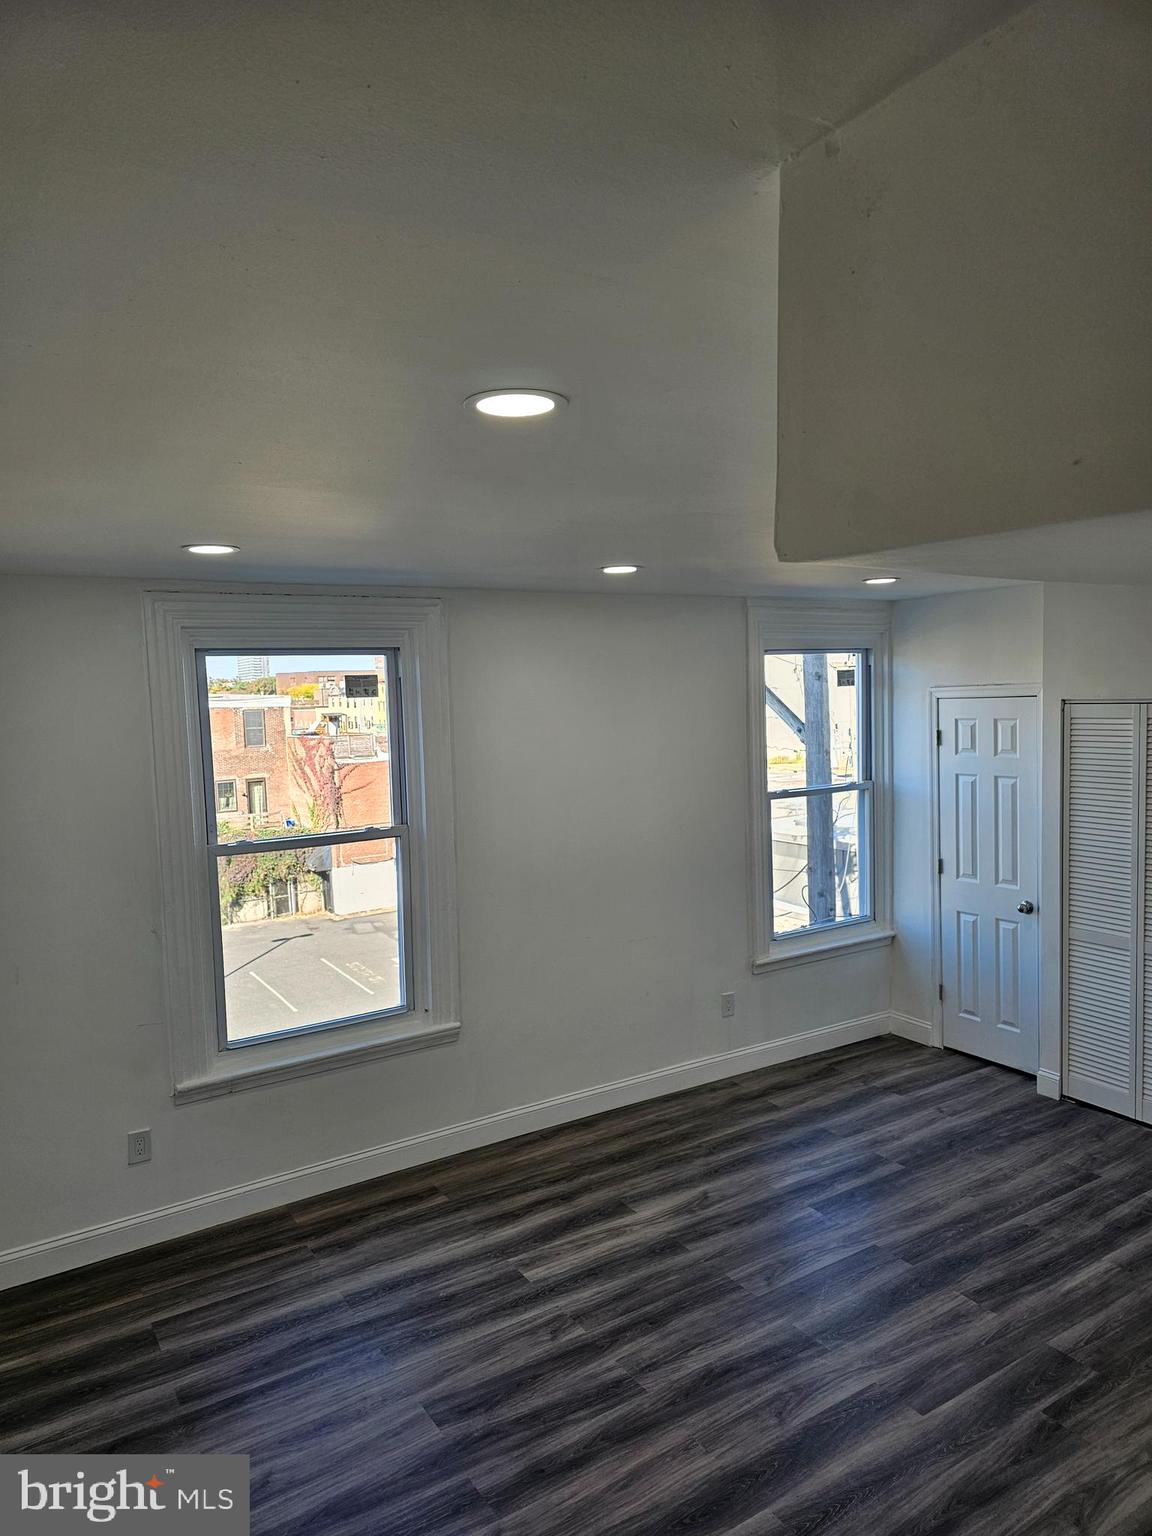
(257, 252)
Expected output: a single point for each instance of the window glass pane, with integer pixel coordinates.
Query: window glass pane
(812, 714)
(819, 851)
(252, 721)
(226, 795)
(317, 743)
(310, 936)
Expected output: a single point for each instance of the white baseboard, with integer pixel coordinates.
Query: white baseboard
(919, 1030)
(1048, 1083)
(34, 1261)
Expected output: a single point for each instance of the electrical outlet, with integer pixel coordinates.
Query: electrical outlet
(727, 1005)
(139, 1147)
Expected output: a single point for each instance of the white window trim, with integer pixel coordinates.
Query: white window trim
(788, 626)
(177, 625)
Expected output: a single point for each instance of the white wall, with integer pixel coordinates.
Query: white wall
(601, 772)
(966, 303)
(1097, 645)
(1078, 641)
(970, 637)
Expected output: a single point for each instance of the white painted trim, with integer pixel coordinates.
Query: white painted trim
(841, 941)
(918, 1030)
(1048, 1083)
(860, 625)
(986, 690)
(177, 624)
(975, 691)
(328, 1058)
(34, 1261)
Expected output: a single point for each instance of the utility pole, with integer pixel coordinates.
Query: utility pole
(818, 758)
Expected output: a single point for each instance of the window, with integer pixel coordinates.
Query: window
(819, 679)
(326, 846)
(313, 924)
(253, 723)
(256, 793)
(819, 783)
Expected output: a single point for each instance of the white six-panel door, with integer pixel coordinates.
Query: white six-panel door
(989, 877)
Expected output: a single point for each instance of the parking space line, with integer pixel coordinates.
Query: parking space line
(370, 990)
(273, 991)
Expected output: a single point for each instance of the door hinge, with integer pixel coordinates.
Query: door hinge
(940, 990)
(939, 737)
(939, 866)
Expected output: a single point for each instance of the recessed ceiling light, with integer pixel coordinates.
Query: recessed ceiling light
(212, 549)
(619, 570)
(515, 402)
(880, 581)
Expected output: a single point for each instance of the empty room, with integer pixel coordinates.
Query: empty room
(576, 679)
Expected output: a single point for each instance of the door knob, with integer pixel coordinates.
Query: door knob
(1025, 906)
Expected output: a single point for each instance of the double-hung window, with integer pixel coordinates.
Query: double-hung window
(819, 682)
(253, 727)
(310, 919)
(818, 750)
(325, 842)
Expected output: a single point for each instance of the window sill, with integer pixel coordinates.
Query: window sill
(231, 1077)
(802, 951)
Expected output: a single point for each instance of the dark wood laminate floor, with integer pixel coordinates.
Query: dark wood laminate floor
(881, 1291)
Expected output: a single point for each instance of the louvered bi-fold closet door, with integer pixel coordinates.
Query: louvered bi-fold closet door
(1103, 928)
(1144, 1041)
